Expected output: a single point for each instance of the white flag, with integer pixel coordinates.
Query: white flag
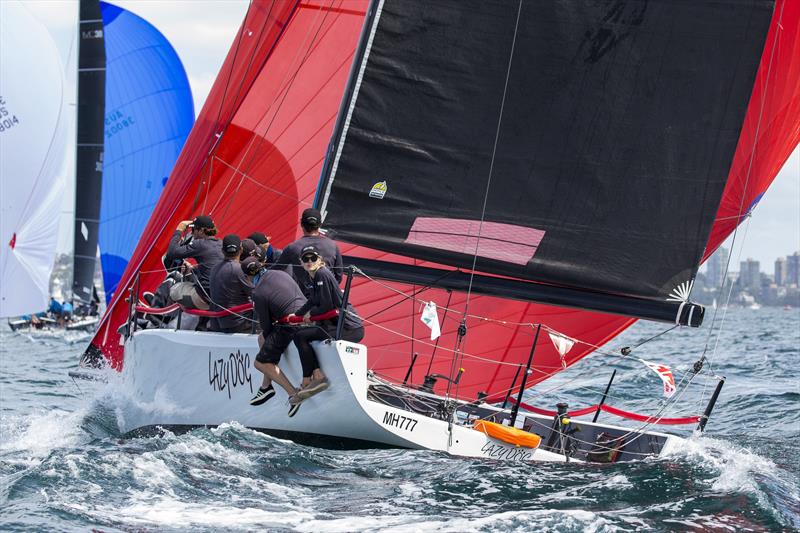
(431, 319)
(665, 374)
(562, 344)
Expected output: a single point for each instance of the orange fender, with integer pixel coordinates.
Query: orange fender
(507, 434)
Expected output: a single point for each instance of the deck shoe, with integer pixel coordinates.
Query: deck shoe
(315, 387)
(263, 395)
(294, 407)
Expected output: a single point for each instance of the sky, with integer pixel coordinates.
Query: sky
(202, 31)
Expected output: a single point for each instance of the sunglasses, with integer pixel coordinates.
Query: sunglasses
(309, 258)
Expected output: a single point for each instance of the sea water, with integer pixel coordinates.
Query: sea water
(65, 467)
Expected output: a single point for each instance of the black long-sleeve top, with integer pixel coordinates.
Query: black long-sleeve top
(207, 253)
(276, 296)
(289, 259)
(229, 287)
(325, 296)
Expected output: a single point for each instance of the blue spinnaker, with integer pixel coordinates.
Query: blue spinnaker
(149, 113)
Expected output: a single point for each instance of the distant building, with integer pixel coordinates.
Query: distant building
(715, 270)
(750, 275)
(780, 272)
(793, 270)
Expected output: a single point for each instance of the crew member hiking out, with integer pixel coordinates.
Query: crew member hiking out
(325, 296)
(204, 248)
(230, 287)
(290, 257)
(276, 296)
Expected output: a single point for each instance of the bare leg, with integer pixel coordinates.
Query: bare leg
(262, 367)
(272, 372)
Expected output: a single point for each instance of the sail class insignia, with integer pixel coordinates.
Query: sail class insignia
(378, 190)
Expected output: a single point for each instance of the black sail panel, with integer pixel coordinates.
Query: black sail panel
(90, 139)
(618, 127)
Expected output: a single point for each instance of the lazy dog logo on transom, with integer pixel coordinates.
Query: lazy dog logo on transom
(227, 373)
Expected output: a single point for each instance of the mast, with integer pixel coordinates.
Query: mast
(90, 147)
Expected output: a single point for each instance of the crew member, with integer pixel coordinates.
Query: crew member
(263, 242)
(276, 296)
(290, 257)
(230, 287)
(204, 248)
(325, 296)
(249, 248)
(253, 269)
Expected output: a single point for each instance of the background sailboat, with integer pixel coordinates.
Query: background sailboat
(149, 112)
(135, 111)
(33, 137)
(89, 150)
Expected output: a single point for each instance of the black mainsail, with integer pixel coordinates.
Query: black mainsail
(90, 136)
(579, 145)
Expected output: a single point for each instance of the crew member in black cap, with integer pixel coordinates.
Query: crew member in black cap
(290, 257)
(204, 248)
(249, 248)
(263, 242)
(253, 268)
(230, 287)
(325, 296)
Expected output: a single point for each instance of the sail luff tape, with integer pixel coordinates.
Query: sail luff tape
(351, 107)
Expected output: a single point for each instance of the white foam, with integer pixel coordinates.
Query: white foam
(486, 487)
(579, 493)
(738, 469)
(37, 435)
(540, 520)
(735, 465)
(169, 511)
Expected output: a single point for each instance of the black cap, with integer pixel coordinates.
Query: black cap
(231, 244)
(308, 250)
(260, 254)
(258, 238)
(203, 221)
(311, 217)
(248, 247)
(251, 266)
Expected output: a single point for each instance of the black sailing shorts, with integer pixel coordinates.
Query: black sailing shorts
(274, 344)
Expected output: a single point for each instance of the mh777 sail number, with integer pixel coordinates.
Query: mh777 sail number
(399, 421)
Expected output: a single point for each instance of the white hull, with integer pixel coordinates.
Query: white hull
(186, 378)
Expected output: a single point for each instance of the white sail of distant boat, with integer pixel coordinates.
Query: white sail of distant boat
(33, 136)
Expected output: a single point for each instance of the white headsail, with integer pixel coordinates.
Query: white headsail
(34, 119)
